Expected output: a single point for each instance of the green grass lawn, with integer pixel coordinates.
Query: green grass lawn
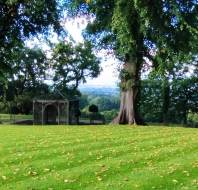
(7, 118)
(98, 157)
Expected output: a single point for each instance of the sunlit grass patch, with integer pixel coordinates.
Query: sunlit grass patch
(98, 157)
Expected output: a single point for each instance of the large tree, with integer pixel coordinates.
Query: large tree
(138, 30)
(21, 19)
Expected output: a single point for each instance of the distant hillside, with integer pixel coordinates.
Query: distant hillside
(100, 90)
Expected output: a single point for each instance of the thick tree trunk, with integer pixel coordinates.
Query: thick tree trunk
(128, 113)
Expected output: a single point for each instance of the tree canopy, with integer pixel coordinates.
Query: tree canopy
(73, 64)
(138, 30)
(20, 20)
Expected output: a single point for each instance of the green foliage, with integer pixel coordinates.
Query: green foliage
(108, 106)
(24, 82)
(72, 64)
(142, 26)
(127, 80)
(3, 108)
(103, 157)
(151, 101)
(83, 101)
(110, 114)
(17, 99)
(20, 20)
(193, 119)
(29, 66)
(105, 102)
(93, 108)
(183, 99)
(23, 103)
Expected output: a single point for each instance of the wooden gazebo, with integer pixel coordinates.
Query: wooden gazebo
(46, 112)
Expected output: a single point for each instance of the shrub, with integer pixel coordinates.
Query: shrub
(93, 108)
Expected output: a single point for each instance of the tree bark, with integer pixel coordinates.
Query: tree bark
(128, 113)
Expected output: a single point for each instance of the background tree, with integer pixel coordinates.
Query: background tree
(136, 29)
(151, 101)
(175, 68)
(20, 20)
(24, 81)
(28, 67)
(73, 64)
(183, 99)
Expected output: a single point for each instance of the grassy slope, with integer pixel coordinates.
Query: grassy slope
(102, 157)
(7, 118)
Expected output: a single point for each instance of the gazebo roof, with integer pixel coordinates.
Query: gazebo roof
(54, 100)
(50, 101)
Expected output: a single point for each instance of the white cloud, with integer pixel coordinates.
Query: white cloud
(109, 74)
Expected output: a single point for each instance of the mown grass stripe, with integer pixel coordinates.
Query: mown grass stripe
(139, 173)
(164, 145)
(137, 161)
(78, 148)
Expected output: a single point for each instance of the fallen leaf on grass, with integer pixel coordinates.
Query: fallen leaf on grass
(126, 179)
(3, 177)
(195, 182)
(69, 180)
(99, 178)
(32, 173)
(174, 181)
(186, 173)
(46, 170)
